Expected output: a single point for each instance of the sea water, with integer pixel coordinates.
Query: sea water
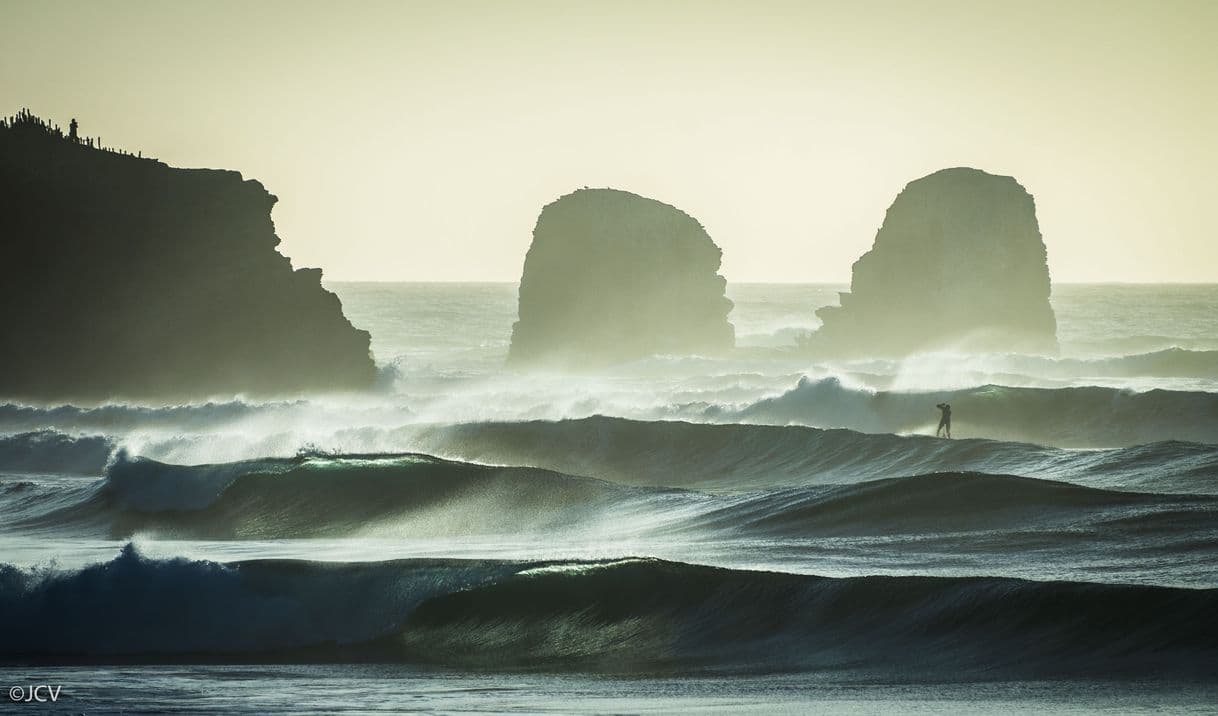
(186, 546)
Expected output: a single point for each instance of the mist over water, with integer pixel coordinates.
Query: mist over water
(481, 514)
(238, 476)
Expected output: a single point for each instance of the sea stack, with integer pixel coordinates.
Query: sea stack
(959, 264)
(126, 278)
(612, 276)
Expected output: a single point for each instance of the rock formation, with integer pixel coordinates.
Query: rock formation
(959, 263)
(125, 278)
(613, 276)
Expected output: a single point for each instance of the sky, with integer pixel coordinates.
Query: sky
(418, 141)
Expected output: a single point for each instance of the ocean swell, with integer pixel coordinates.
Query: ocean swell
(418, 496)
(333, 495)
(631, 615)
(1085, 417)
(745, 457)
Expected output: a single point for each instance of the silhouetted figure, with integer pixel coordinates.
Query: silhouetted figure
(72, 130)
(945, 422)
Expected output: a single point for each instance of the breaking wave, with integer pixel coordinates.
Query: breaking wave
(122, 416)
(622, 616)
(48, 451)
(419, 496)
(325, 495)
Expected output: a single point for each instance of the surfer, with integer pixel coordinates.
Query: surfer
(945, 422)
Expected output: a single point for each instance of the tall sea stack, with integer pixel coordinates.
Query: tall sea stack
(959, 263)
(125, 278)
(612, 276)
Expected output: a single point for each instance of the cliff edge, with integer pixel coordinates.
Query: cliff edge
(614, 276)
(958, 264)
(126, 278)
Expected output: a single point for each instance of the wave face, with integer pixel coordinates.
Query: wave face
(316, 496)
(141, 608)
(1085, 417)
(947, 503)
(742, 456)
(634, 615)
(48, 451)
(1172, 362)
(649, 615)
(949, 521)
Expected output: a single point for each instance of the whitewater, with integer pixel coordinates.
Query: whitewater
(760, 531)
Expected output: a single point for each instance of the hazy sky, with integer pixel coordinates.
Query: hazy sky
(419, 140)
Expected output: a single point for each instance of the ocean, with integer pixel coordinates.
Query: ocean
(761, 532)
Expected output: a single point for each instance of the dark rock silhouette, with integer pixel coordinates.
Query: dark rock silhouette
(958, 263)
(613, 276)
(127, 278)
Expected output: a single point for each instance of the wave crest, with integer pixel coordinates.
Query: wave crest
(622, 616)
(754, 456)
(49, 451)
(1087, 417)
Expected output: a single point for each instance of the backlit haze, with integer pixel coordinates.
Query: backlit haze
(418, 141)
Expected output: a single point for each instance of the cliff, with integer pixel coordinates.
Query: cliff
(126, 278)
(613, 276)
(958, 263)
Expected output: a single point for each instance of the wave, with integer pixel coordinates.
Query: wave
(332, 495)
(621, 616)
(229, 431)
(647, 615)
(142, 607)
(931, 370)
(1086, 417)
(1172, 362)
(419, 496)
(51, 452)
(941, 504)
(1116, 346)
(753, 456)
(121, 417)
